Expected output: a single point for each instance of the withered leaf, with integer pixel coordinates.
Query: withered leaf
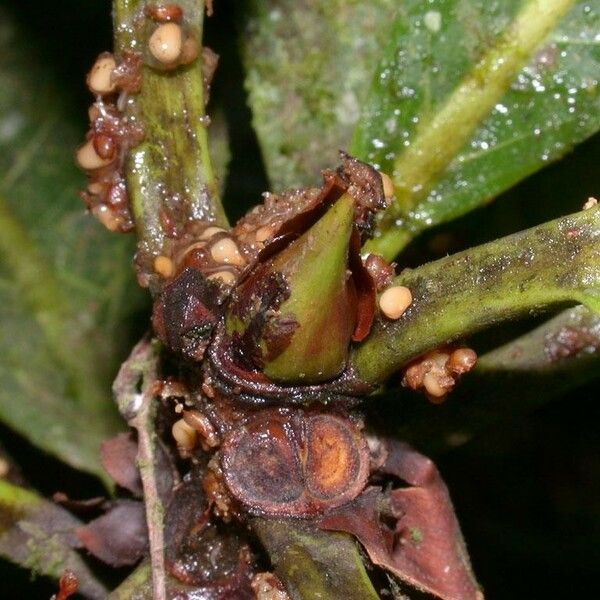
(425, 547)
(119, 537)
(118, 456)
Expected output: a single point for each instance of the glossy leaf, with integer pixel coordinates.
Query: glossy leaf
(309, 65)
(67, 292)
(455, 116)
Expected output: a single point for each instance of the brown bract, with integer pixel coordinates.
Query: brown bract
(284, 217)
(186, 311)
(119, 537)
(118, 456)
(224, 373)
(411, 531)
(301, 463)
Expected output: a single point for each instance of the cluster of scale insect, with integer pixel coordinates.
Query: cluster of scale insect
(313, 441)
(112, 129)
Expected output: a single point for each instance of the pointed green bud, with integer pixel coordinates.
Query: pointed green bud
(322, 299)
(295, 316)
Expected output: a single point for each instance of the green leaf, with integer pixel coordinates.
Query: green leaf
(308, 69)
(552, 264)
(313, 563)
(40, 536)
(67, 291)
(456, 118)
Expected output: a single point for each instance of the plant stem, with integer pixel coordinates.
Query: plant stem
(314, 563)
(172, 164)
(139, 408)
(439, 140)
(136, 586)
(555, 263)
(508, 383)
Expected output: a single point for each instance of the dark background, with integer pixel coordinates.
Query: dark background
(527, 495)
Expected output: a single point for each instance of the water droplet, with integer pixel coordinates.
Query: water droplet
(433, 20)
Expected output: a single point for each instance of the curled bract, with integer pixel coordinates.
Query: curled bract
(288, 272)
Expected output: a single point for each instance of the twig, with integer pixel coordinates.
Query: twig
(134, 393)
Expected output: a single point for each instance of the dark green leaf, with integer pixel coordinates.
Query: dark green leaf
(67, 290)
(454, 120)
(309, 65)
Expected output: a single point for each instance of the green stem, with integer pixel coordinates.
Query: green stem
(508, 383)
(438, 142)
(173, 160)
(554, 263)
(137, 585)
(313, 563)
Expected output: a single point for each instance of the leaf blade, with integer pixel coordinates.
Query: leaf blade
(459, 137)
(66, 293)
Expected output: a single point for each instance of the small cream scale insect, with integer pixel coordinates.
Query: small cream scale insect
(166, 43)
(100, 79)
(172, 45)
(395, 301)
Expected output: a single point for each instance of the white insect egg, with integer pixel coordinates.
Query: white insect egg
(395, 301)
(226, 251)
(185, 436)
(99, 79)
(166, 43)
